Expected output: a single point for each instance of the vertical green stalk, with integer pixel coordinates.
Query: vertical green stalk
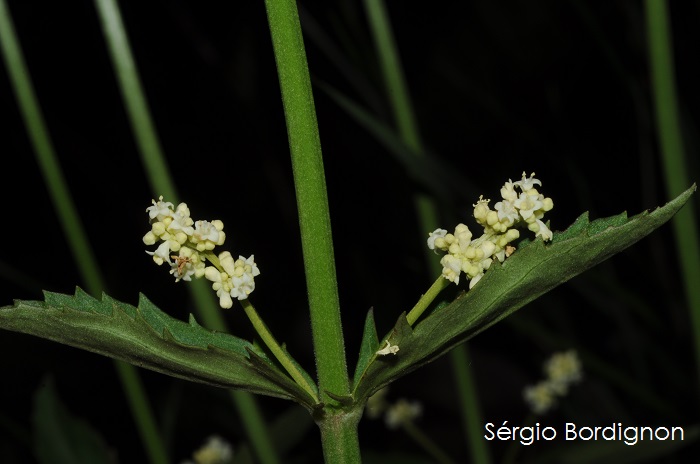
(338, 427)
(312, 201)
(161, 183)
(339, 437)
(395, 84)
(673, 155)
(44, 152)
(71, 224)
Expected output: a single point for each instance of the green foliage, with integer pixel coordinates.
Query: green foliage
(369, 346)
(147, 337)
(61, 438)
(530, 272)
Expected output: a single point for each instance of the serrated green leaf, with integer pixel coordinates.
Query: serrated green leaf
(530, 272)
(147, 337)
(368, 347)
(574, 229)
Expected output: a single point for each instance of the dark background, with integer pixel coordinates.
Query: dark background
(561, 88)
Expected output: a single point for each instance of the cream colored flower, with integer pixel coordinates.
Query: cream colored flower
(388, 349)
(540, 397)
(402, 412)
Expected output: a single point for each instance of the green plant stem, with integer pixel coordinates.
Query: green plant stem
(439, 285)
(276, 349)
(339, 437)
(675, 167)
(161, 183)
(404, 116)
(427, 444)
(72, 226)
(338, 427)
(312, 201)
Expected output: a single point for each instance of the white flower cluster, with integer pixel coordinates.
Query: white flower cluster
(395, 415)
(473, 257)
(193, 243)
(402, 412)
(562, 370)
(215, 451)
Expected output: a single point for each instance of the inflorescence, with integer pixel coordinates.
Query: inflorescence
(396, 415)
(216, 450)
(562, 370)
(187, 245)
(522, 207)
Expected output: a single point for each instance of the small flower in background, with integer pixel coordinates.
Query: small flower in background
(187, 245)
(216, 450)
(474, 257)
(402, 415)
(540, 397)
(399, 414)
(402, 412)
(377, 404)
(562, 370)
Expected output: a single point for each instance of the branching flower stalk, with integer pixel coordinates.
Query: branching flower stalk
(473, 257)
(187, 245)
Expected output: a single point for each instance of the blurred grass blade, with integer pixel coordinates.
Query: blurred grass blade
(392, 72)
(158, 174)
(46, 157)
(70, 222)
(132, 93)
(433, 173)
(314, 31)
(287, 430)
(673, 155)
(61, 438)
